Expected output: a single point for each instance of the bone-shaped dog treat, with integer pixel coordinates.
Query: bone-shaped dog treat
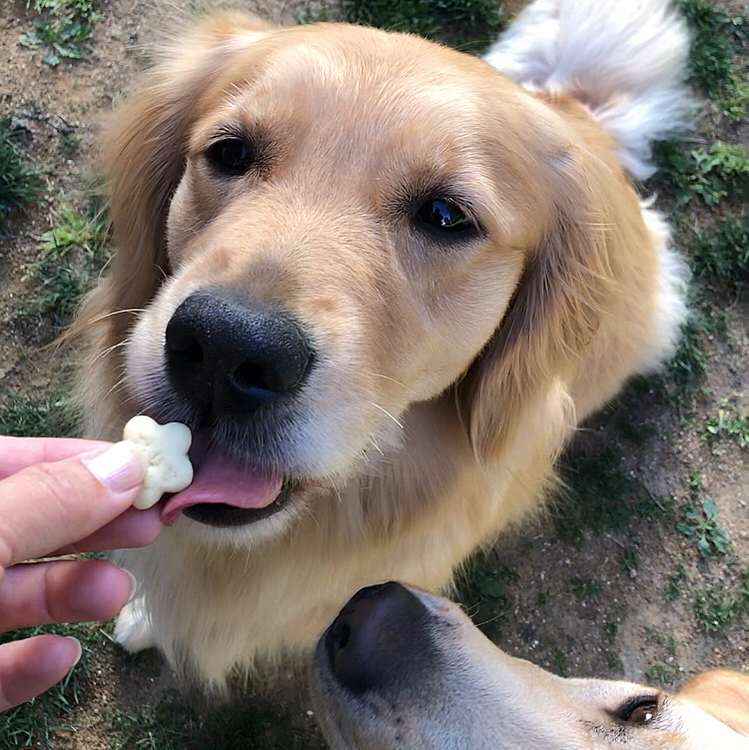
(163, 451)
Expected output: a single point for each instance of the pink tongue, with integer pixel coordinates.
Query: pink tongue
(223, 480)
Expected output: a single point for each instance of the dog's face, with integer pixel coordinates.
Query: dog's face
(400, 668)
(339, 220)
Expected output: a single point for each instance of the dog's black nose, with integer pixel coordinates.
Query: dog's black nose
(379, 634)
(228, 356)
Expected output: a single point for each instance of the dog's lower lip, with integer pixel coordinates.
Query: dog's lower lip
(226, 516)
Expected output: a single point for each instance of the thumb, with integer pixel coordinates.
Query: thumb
(51, 505)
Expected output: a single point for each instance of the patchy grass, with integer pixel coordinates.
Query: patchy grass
(718, 173)
(601, 496)
(468, 25)
(27, 417)
(19, 181)
(712, 60)
(62, 29)
(718, 605)
(675, 580)
(723, 251)
(72, 254)
(729, 422)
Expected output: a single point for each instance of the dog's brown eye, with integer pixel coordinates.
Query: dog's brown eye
(443, 215)
(231, 156)
(641, 710)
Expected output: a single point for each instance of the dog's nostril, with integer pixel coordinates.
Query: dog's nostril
(341, 635)
(251, 375)
(188, 350)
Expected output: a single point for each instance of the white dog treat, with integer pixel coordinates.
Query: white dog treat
(163, 451)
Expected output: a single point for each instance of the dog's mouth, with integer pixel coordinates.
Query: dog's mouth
(227, 490)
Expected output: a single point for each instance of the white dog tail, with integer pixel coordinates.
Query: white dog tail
(624, 59)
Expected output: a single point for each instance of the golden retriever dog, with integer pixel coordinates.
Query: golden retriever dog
(381, 281)
(401, 668)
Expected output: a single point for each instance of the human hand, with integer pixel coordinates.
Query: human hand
(59, 496)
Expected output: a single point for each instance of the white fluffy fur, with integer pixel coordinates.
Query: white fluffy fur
(625, 59)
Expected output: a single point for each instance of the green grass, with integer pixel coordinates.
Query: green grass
(19, 181)
(712, 60)
(480, 587)
(48, 416)
(468, 25)
(72, 254)
(711, 175)
(62, 29)
(38, 722)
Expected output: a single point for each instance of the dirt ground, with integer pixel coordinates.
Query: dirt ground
(616, 602)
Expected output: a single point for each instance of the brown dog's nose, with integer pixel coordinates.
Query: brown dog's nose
(229, 356)
(380, 633)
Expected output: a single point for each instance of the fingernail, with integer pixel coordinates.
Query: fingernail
(118, 468)
(80, 650)
(133, 585)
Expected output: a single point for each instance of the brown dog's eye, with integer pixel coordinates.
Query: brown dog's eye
(641, 710)
(231, 156)
(443, 215)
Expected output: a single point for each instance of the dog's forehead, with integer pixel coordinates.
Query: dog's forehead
(351, 78)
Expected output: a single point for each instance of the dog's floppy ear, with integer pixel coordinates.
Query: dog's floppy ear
(143, 150)
(554, 314)
(723, 694)
(143, 158)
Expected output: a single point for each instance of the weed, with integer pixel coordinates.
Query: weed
(469, 25)
(677, 577)
(63, 28)
(661, 674)
(613, 662)
(727, 422)
(688, 367)
(717, 606)
(561, 662)
(699, 524)
(70, 142)
(19, 182)
(603, 497)
(724, 250)
(611, 628)
(661, 638)
(72, 255)
(715, 174)
(585, 589)
(628, 560)
(28, 417)
(711, 59)
(480, 588)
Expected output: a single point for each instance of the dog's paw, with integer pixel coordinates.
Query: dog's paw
(133, 628)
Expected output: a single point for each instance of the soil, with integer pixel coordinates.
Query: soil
(595, 607)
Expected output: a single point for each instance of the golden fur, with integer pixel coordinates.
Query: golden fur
(402, 668)
(454, 371)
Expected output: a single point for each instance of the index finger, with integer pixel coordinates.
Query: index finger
(17, 453)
